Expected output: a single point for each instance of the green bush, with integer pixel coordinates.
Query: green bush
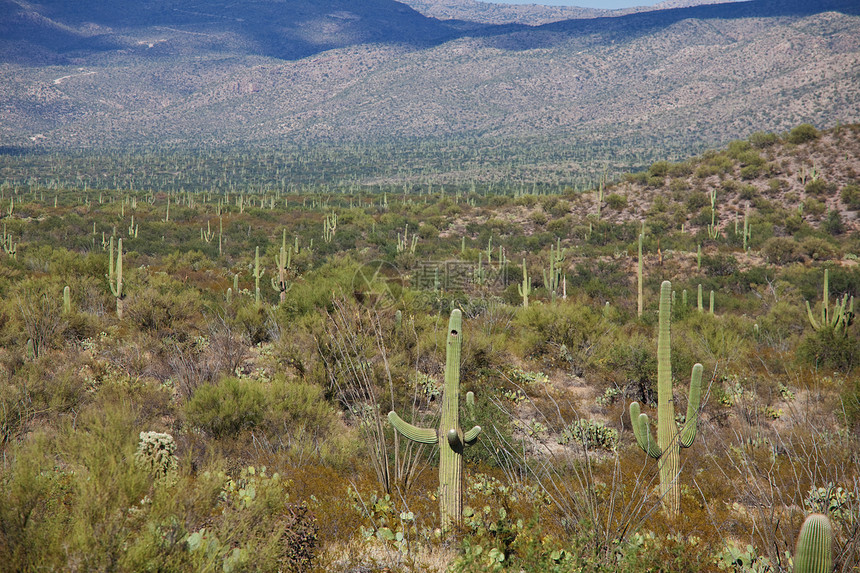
(816, 187)
(803, 133)
(828, 348)
(616, 201)
(761, 139)
(850, 195)
(781, 250)
(227, 407)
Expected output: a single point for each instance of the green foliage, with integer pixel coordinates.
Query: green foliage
(761, 139)
(226, 408)
(829, 348)
(616, 201)
(781, 250)
(803, 133)
(850, 195)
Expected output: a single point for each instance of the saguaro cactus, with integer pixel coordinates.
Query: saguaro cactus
(639, 273)
(285, 256)
(813, 553)
(258, 274)
(839, 317)
(450, 437)
(525, 289)
(670, 438)
(114, 275)
(552, 280)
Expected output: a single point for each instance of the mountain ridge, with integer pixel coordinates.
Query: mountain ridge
(699, 75)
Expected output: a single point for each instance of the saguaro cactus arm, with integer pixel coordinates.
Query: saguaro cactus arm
(815, 324)
(472, 435)
(642, 431)
(694, 397)
(414, 433)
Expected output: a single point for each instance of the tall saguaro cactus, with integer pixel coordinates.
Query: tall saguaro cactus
(670, 438)
(258, 274)
(639, 273)
(114, 275)
(813, 553)
(525, 289)
(450, 437)
(280, 284)
(839, 317)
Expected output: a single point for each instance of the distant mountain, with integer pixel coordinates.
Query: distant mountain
(96, 73)
(531, 14)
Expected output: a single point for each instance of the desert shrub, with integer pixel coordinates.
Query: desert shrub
(660, 169)
(251, 321)
(616, 201)
(35, 316)
(850, 195)
(719, 265)
(761, 139)
(164, 313)
(682, 169)
(750, 172)
(546, 328)
(635, 362)
(227, 407)
(538, 218)
(750, 157)
(781, 250)
(829, 348)
(818, 249)
(816, 187)
(833, 223)
(850, 398)
(556, 206)
(696, 201)
(803, 133)
(813, 206)
(640, 177)
(783, 321)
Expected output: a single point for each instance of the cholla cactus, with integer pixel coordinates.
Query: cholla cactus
(156, 453)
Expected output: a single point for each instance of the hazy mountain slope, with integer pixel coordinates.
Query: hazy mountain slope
(696, 75)
(532, 14)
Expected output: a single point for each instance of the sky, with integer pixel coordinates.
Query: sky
(606, 4)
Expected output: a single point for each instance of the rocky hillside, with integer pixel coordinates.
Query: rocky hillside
(532, 14)
(623, 88)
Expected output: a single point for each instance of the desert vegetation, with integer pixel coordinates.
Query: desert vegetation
(197, 374)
